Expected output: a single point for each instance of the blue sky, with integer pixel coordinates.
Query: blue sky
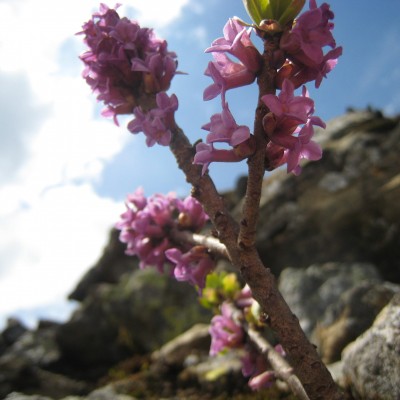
(65, 170)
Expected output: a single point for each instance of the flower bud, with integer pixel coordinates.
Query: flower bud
(282, 11)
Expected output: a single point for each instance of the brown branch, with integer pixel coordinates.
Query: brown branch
(256, 163)
(303, 356)
(205, 191)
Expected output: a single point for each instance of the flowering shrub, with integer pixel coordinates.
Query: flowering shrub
(130, 70)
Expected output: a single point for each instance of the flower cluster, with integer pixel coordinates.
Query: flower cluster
(226, 73)
(146, 228)
(156, 124)
(126, 66)
(298, 58)
(227, 332)
(303, 47)
(288, 142)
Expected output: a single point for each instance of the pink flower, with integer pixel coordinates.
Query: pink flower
(290, 143)
(288, 105)
(303, 148)
(146, 225)
(226, 75)
(223, 128)
(156, 124)
(236, 41)
(311, 32)
(192, 266)
(304, 44)
(124, 61)
(224, 331)
(206, 154)
(300, 74)
(192, 215)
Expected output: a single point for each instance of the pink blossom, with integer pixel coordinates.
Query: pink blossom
(226, 75)
(192, 215)
(192, 266)
(288, 105)
(303, 148)
(124, 62)
(304, 43)
(157, 123)
(237, 42)
(224, 331)
(245, 298)
(223, 128)
(311, 32)
(146, 225)
(206, 154)
(290, 143)
(300, 74)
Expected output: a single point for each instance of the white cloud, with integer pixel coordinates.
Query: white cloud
(158, 13)
(57, 238)
(52, 223)
(17, 100)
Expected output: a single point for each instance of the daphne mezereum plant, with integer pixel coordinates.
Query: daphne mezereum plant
(130, 69)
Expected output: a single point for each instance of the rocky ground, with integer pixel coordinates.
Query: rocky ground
(332, 236)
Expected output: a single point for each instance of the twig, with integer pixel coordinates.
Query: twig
(281, 367)
(256, 163)
(210, 242)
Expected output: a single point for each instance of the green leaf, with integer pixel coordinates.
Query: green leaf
(278, 7)
(258, 9)
(291, 12)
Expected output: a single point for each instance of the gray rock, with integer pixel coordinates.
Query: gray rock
(108, 393)
(13, 331)
(190, 345)
(142, 312)
(38, 346)
(219, 375)
(309, 292)
(372, 363)
(25, 366)
(21, 396)
(350, 316)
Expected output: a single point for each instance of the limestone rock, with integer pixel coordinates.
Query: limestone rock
(309, 292)
(371, 364)
(142, 312)
(28, 365)
(185, 348)
(350, 316)
(21, 396)
(12, 332)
